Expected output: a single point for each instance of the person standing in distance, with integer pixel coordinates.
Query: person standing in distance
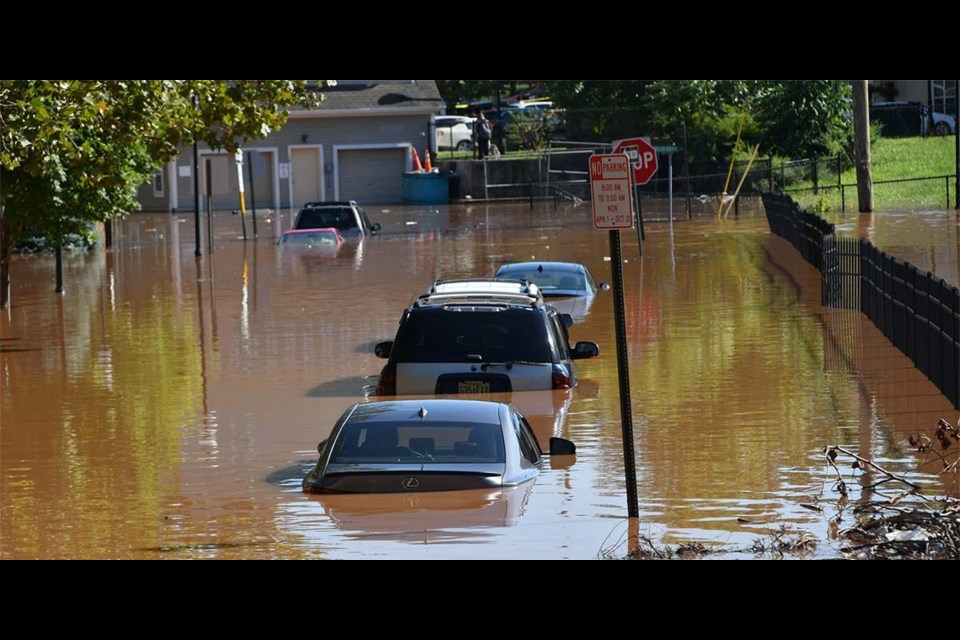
(483, 129)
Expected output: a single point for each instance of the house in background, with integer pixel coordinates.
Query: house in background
(356, 145)
(940, 94)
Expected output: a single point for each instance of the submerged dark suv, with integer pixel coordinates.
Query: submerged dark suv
(347, 217)
(480, 335)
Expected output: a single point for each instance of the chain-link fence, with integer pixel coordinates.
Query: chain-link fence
(820, 184)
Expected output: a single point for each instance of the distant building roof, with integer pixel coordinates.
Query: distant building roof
(375, 96)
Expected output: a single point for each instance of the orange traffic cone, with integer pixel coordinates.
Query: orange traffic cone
(416, 160)
(426, 161)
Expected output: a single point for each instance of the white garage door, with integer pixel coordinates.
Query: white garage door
(371, 175)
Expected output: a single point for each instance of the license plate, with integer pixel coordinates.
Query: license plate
(473, 386)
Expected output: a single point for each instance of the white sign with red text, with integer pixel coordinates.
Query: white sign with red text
(610, 191)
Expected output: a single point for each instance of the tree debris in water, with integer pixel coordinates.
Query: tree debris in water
(887, 515)
(904, 524)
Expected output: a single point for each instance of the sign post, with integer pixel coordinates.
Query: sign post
(612, 210)
(643, 161)
(238, 159)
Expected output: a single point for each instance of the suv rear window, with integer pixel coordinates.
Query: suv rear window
(340, 218)
(461, 333)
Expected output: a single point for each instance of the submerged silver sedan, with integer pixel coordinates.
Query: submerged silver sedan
(428, 445)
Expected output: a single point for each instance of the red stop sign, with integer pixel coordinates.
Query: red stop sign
(643, 158)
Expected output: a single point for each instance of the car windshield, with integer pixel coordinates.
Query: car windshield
(311, 239)
(550, 282)
(473, 334)
(340, 218)
(423, 443)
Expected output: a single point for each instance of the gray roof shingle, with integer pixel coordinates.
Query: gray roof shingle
(393, 94)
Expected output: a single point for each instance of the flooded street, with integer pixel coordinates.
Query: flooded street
(166, 407)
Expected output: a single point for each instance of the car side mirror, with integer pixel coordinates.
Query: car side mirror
(585, 350)
(383, 349)
(321, 448)
(603, 286)
(375, 227)
(567, 319)
(562, 447)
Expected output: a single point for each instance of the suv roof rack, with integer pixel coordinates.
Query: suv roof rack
(515, 286)
(331, 203)
(504, 290)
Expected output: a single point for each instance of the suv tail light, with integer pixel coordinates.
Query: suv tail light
(387, 385)
(561, 377)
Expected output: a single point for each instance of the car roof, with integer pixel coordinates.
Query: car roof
(330, 203)
(312, 230)
(482, 290)
(483, 285)
(573, 267)
(436, 409)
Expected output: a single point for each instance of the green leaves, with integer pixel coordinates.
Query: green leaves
(78, 149)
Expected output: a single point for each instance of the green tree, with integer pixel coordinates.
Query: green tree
(73, 151)
(794, 118)
(601, 109)
(711, 110)
(803, 118)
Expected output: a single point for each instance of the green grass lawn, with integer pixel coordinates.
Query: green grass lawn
(893, 159)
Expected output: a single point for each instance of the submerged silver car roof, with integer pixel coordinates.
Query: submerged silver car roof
(435, 410)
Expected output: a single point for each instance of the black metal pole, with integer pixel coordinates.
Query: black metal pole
(686, 171)
(253, 194)
(59, 287)
(956, 141)
(196, 190)
(623, 366)
(108, 232)
(209, 205)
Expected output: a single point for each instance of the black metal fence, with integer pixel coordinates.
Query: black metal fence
(918, 312)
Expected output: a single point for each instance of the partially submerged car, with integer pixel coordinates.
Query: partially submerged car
(429, 445)
(569, 286)
(554, 278)
(480, 335)
(347, 217)
(321, 238)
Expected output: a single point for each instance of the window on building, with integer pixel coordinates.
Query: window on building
(158, 184)
(945, 96)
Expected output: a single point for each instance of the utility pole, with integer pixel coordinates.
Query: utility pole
(861, 143)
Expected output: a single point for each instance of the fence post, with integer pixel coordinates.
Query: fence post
(839, 170)
(946, 181)
(486, 188)
(843, 199)
(815, 185)
(771, 173)
(783, 176)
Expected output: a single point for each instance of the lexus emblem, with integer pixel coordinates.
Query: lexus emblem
(410, 483)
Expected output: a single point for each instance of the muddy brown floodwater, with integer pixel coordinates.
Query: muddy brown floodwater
(166, 407)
